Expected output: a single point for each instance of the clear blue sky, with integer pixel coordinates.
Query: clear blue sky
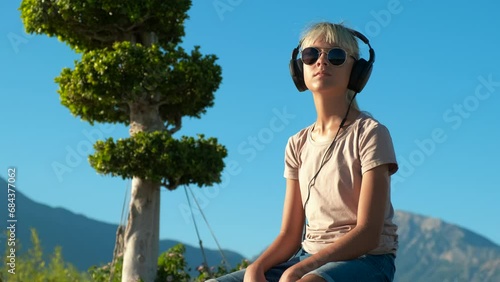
(436, 85)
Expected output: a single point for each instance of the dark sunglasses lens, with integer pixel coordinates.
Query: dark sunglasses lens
(336, 56)
(310, 55)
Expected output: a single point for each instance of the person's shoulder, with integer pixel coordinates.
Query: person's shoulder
(301, 135)
(367, 120)
(368, 123)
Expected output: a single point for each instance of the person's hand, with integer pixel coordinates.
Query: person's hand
(292, 274)
(254, 274)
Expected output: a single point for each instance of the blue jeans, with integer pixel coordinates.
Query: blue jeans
(370, 268)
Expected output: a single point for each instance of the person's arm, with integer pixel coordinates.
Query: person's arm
(364, 237)
(289, 238)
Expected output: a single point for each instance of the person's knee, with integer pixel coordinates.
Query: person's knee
(311, 278)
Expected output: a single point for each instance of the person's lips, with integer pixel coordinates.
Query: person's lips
(322, 73)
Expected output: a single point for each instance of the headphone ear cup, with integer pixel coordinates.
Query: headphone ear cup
(296, 71)
(361, 71)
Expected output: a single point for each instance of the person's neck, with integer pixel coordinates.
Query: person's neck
(331, 110)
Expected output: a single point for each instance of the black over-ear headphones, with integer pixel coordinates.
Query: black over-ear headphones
(361, 70)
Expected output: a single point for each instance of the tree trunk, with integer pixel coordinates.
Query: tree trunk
(141, 240)
(142, 233)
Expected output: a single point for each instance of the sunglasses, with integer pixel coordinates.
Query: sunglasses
(336, 56)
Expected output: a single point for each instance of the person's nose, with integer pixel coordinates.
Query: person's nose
(323, 59)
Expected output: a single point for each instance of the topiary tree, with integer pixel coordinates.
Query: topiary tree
(133, 72)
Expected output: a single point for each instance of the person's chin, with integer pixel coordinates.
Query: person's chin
(322, 87)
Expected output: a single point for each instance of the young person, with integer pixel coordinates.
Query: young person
(337, 174)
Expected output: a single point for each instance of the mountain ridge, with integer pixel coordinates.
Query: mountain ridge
(58, 226)
(456, 254)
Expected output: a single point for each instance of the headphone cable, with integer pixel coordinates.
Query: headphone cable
(327, 153)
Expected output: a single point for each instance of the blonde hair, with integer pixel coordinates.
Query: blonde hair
(337, 34)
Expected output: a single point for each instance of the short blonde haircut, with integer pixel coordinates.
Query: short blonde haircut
(337, 34)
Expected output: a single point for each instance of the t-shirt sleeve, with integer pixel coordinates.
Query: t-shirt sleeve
(376, 148)
(291, 161)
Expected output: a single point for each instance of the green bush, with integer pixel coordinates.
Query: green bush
(104, 273)
(31, 266)
(172, 267)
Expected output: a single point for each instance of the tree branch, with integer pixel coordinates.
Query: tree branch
(168, 185)
(177, 125)
(132, 27)
(97, 35)
(114, 31)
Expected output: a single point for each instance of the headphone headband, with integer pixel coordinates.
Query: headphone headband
(360, 73)
(366, 41)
